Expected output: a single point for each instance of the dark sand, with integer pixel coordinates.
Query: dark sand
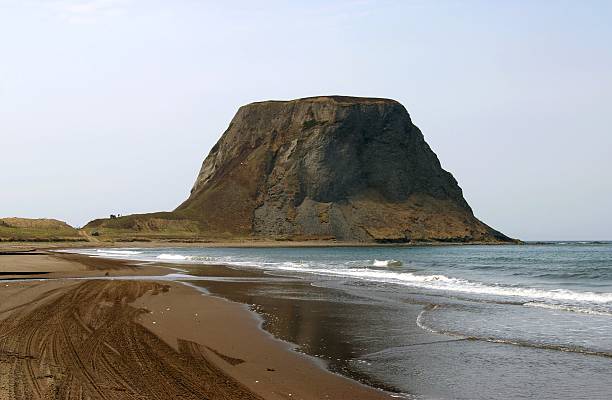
(321, 321)
(133, 339)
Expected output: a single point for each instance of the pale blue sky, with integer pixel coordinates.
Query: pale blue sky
(110, 106)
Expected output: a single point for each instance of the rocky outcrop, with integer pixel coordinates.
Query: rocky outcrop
(353, 169)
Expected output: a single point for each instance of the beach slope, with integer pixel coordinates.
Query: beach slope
(106, 335)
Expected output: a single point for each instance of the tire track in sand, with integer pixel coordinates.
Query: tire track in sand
(83, 342)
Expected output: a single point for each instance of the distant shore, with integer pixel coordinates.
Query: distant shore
(122, 338)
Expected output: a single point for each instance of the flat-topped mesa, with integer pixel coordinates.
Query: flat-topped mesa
(349, 168)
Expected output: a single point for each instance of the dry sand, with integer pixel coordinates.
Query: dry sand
(141, 339)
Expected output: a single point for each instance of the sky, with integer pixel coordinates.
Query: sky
(110, 106)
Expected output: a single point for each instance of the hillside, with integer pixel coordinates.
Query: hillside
(36, 230)
(342, 168)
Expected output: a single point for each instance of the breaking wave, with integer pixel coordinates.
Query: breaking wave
(118, 252)
(442, 282)
(175, 257)
(375, 270)
(387, 263)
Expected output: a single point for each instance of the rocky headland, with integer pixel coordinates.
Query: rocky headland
(322, 168)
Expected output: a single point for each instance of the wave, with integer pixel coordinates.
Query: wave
(387, 263)
(118, 252)
(510, 341)
(437, 282)
(442, 282)
(202, 258)
(575, 242)
(419, 319)
(557, 347)
(176, 257)
(561, 307)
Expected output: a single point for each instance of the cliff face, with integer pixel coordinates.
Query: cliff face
(353, 169)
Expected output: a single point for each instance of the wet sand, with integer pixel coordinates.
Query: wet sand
(321, 321)
(133, 339)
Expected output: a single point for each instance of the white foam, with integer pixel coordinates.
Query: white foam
(387, 263)
(561, 307)
(441, 282)
(432, 282)
(176, 257)
(419, 321)
(119, 252)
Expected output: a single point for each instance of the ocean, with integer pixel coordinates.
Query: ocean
(435, 322)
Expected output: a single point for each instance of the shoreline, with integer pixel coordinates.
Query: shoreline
(263, 354)
(233, 347)
(404, 342)
(61, 245)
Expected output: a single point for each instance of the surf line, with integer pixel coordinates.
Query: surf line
(420, 324)
(543, 346)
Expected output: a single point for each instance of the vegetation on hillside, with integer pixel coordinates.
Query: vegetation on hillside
(145, 227)
(37, 230)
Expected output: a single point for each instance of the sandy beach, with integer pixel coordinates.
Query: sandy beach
(102, 336)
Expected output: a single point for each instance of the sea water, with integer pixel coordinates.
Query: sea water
(508, 321)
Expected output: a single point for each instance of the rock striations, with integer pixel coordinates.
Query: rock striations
(347, 168)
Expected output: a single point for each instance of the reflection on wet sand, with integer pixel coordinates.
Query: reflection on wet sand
(320, 321)
(371, 334)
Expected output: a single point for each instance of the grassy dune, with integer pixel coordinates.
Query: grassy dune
(37, 230)
(145, 227)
